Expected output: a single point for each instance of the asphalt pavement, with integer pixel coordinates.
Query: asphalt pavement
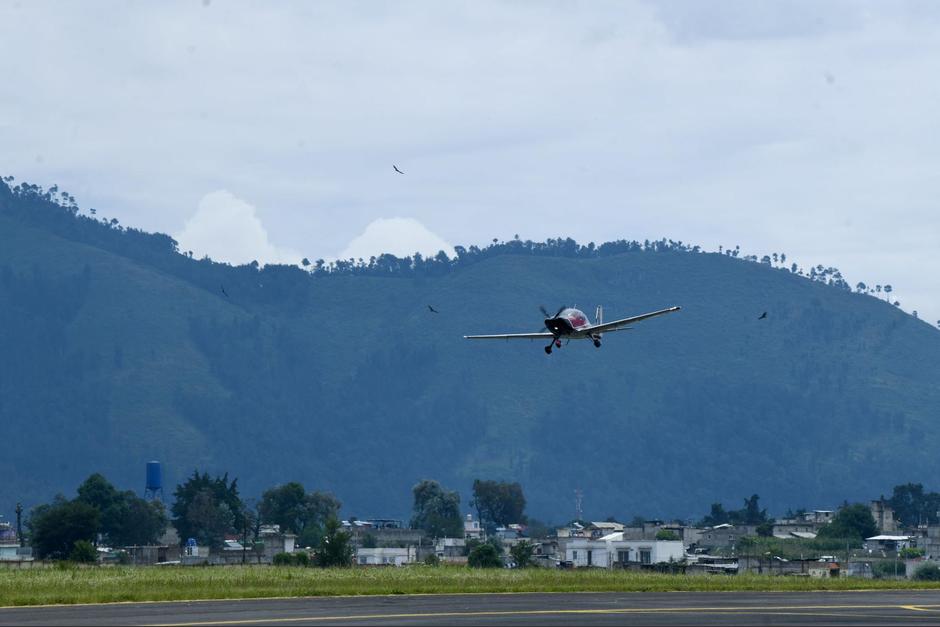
(634, 608)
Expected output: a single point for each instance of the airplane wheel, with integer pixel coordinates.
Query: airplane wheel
(548, 350)
(597, 344)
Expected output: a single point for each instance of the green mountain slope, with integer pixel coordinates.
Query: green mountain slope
(117, 350)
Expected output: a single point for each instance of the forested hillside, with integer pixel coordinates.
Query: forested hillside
(116, 349)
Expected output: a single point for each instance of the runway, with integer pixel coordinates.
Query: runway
(635, 608)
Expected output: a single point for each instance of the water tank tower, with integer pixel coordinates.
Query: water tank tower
(154, 489)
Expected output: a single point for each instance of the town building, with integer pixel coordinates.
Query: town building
(884, 516)
(385, 556)
(612, 551)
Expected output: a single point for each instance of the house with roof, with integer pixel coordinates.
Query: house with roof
(612, 551)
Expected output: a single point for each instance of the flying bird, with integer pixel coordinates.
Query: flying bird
(222, 287)
(433, 310)
(762, 316)
(396, 169)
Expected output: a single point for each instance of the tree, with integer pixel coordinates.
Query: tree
(852, 521)
(206, 508)
(498, 503)
(750, 514)
(124, 518)
(912, 506)
(208, 520)
(83, 552)
(134, 521)
(484, 556)
(717, 516)
(765, 529)
(436, 511)
(55, 528)
(335, 548)
(295, 510)
(521, 553)
(98, 492)
(666, 534)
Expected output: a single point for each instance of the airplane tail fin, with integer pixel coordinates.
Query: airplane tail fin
(599, 315)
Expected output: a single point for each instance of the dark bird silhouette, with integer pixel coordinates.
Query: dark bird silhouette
(396, 169)
(433, 310)
(222, 287)
(762, 316)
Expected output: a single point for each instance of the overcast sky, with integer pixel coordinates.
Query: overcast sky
(268, 130)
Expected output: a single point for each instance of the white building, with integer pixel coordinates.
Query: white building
(472, 529)
(386, 556)
(610, 549)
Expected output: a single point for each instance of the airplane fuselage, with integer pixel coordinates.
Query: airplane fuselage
(568, 324)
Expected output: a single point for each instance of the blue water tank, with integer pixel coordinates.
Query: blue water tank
(154, 477)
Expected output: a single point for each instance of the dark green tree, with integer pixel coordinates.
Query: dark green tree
(206, 508)
(298, 511)
(484, 556)
(98, 492)
(55, 528)
(498, 503)
(750, 514)
(83, 552)
(666, 534)
(851, 521)
(335, 548)
(717, 516)
(134, 521)
(436, 510)
(522, 553)
(912, 505)
(124, 518)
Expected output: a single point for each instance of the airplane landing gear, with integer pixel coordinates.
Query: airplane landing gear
(597, 343)
(555, 342)
(548, 349)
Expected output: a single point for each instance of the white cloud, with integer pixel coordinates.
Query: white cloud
(401, 237)
(226, 228)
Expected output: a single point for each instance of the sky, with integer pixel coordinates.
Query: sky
(268, 131)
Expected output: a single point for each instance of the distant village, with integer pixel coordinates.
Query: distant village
(209, 525)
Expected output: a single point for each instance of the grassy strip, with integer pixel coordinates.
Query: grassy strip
(98, 585)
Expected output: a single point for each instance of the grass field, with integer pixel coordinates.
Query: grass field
(90, 585)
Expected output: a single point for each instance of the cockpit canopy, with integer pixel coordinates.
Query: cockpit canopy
(576, 317)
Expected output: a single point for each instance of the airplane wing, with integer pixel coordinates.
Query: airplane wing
(617, 325)
(511, 336)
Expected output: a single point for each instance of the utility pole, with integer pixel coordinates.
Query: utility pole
(19, 524)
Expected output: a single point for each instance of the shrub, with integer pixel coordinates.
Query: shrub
(910, 552)
(301, 559)
(432, 560)
(283, 559)
(484, 556)
(522, 553)
(927, 572)
(666, 534)
(83, 552)
(886, 569)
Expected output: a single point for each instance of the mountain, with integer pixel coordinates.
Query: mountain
(116, 349)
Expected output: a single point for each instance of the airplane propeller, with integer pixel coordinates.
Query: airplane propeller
(550, 317)
(557, 313)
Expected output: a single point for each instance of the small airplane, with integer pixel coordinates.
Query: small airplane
(573, 324)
